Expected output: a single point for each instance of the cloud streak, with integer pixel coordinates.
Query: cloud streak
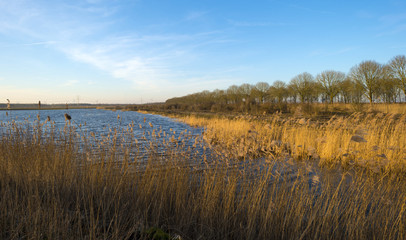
(70, 83)
(392, 24)
(145, 60)
(311, 10)
(194, 15)
(257, 24)
(322, 52)
(39, 43)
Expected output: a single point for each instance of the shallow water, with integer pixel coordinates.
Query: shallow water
(104, 127)
(130, 126)
(97, 120)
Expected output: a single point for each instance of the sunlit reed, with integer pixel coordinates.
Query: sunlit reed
(69, 184)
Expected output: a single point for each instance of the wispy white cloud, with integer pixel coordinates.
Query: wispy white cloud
(148, 61)
(93, 1)
(43, 43)
(136, 57)
(39, 43)
(364, 14)
(70, 83)
(399, 47)
(311, 10)
(393, 31)
(93, 9)
(256, 24)
(391, 24)
(194, 15)
(324, 52)
(29, 44)
(393, 18)
(143, 72)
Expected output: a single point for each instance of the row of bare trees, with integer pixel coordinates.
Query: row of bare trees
(368, 81)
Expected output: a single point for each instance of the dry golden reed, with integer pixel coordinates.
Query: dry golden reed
(68, 184)
(373, 141)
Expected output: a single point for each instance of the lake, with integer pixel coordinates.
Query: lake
(133, 129)
(137, 131)
(99, 121)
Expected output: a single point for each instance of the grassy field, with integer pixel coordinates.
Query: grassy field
(65, 184)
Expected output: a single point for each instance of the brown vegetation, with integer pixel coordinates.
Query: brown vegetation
(374, 141)
(70, 185)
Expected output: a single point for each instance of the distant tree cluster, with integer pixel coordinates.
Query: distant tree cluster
(368, 81)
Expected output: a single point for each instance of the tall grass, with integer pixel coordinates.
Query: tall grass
(375, 142)
(342, 108)
(66, 184)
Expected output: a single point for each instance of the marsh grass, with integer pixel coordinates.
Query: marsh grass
(375, 142)
(65, 184)
(342, 108)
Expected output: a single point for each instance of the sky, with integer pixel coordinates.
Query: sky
(139, 51)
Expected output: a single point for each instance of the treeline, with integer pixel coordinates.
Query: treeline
(28, 106)
(367, 82)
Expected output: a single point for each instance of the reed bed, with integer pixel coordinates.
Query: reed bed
(375, 142)
(347, 108)
(67, 184)
(393, 108)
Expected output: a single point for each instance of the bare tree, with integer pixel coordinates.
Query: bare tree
(388, 89)
(261, 90)
(291, 93)
(398, 71)
(303, 85)
(232, 93)
(330, 83)
(278, 90)
(219, 96)
(245, 91)
(367, 75)
(245, 94)
(346, 90)
(388, 85)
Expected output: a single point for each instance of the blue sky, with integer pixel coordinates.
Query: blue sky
(113, 51)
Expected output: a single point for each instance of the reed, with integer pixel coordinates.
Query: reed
(315, 108)
(77, 185)
(372, 141)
